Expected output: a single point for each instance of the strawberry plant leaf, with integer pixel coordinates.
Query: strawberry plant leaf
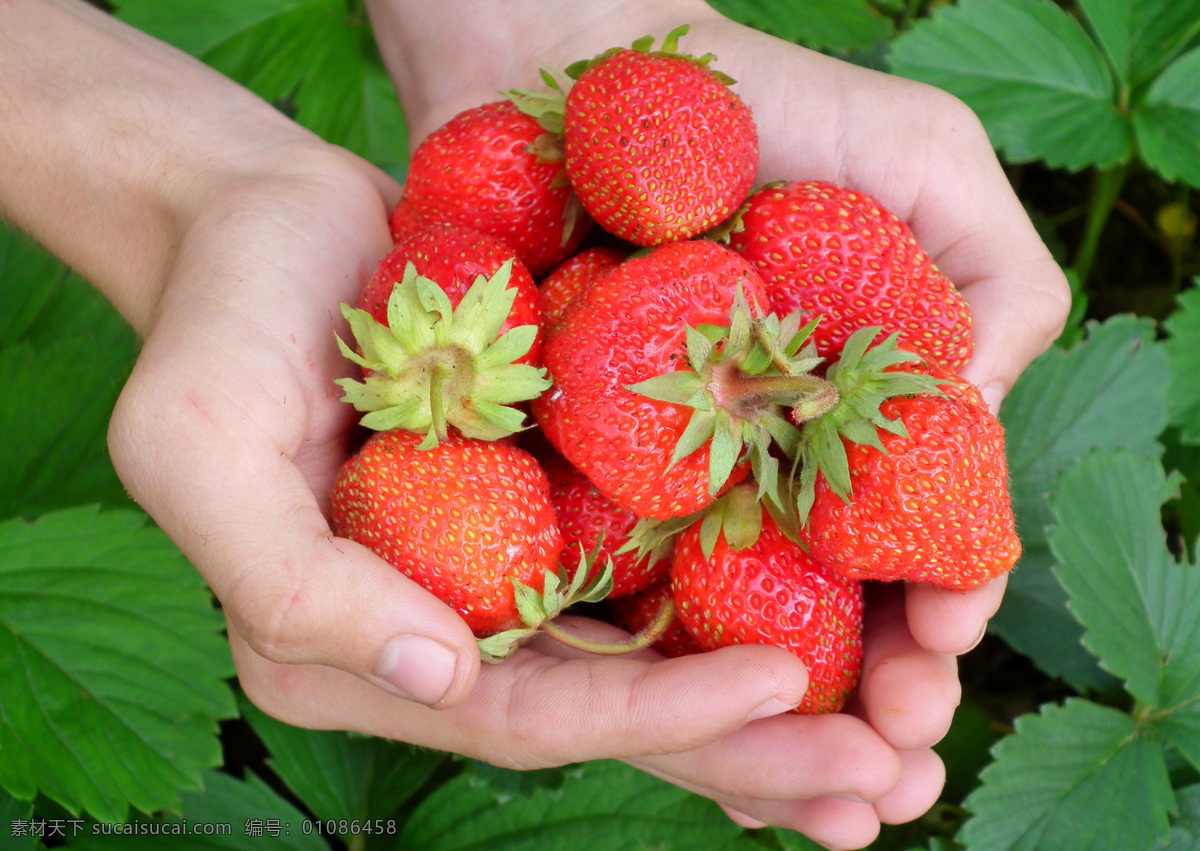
(1037, 81)
(30, 277)
(1066, 404)
(839, 25)
(339, 776)
(1167, 122)
(1141, 36)
(112, 665)
(228, 815)
(1074, 776)
(314, 58)
(1183, 347)
(612, 805)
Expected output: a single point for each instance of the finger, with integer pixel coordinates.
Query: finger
(918, 790)
(908, 693)
(949, 621)
(534, 711)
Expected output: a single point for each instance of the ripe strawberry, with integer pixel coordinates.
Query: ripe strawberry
(464, 519)
(658, 147)
(765, 589)
(922, 495)
(448, 333)
(837, 253)
(571, 277)
(588, 519)
(635, 612)
(495, 170)
(630, 326)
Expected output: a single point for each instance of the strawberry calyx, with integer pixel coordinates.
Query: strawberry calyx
(434, 366)
(864, 376)
(645, 44)
(741, 382)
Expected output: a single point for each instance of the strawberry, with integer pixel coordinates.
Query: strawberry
(632, 325)
(464, 519)
(742, 580)
(658, 147)
(571, 277)
(495, 170)
(448, 334)
(838, 254)
(918, 491)
(637, 611)
(588, 519)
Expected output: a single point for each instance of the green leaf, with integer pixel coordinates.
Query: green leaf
(602, 806)
(1039, 84)
(839, 25)
(30, 277)
(15, 823)
(1183, 348)
(1075, 777)
(228, 815)
(1107, 392)
(339, 776)
(112, 665)
(315, 58)
(1167, 122)
(1140, 36)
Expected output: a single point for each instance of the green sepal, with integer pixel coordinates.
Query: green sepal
(737, 516)
(549, 108)
(433, 366)
(645, 44)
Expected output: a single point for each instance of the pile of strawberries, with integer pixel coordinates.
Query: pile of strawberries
(600, 365)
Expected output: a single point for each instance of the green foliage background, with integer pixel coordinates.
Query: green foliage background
(1080, 726)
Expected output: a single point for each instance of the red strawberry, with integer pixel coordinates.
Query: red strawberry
(922, 496)
(448, 334)
(464, 519)
(494, 170)
(571, 277)
(768, 590)
(658, 147)
(637, 611)
(631, 326)
(837, 253)
(587, 518)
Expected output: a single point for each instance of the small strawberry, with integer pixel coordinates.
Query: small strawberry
(589, 520)
(741, 580)
(637, 611)
(838, 254)
(571, 277)
(495, 170)
(654, 457)
(448, 333)
(464, 519)
(658, 147)
(915, 488)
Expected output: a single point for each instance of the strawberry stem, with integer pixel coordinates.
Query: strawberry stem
(643, 639)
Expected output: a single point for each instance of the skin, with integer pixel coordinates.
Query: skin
(227, 235)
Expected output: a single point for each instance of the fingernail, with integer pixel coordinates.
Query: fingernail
(417, 668)
(978, 639)
(993, 394)
(771, 707)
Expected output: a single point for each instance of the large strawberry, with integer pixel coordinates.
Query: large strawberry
(658, 147)
(916, 491)
(651, 409)
(589, 520)
(569, 279)
(448, 332)
(743, 581)
(838, 254)
(495, 170)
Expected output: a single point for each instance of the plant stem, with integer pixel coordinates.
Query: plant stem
(1105, 190)
(642, 640)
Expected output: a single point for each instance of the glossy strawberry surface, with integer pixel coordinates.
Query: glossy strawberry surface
(933, 508)
(838, 254)
(569, 279)
(773, 592)
(463, 519)
(628, 327)
(658, 147)
(483, 170)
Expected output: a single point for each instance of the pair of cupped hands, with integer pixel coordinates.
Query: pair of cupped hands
(230, 433)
